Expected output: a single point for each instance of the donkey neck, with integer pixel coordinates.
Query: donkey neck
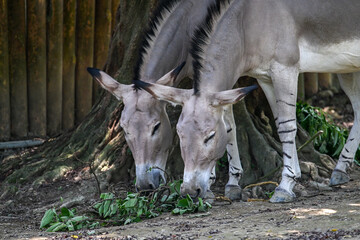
(222, 61)
(170, 44)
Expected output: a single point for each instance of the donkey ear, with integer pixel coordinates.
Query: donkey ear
(114, 87)
(230, 96)
(175, 96)
(170, 78)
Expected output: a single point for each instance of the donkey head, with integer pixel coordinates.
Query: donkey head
(146, 126)
(201, 129)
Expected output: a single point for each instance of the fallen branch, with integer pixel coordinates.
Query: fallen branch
(262, 183)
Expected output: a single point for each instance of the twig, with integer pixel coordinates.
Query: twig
(93, 173)
(262, 183)
(168, 179)
(223, 199)
(310, 140)
(256, 200)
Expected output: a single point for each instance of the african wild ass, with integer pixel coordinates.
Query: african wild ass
(273, 41)
(144, 118)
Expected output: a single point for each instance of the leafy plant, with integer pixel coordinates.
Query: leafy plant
(108, 207)
(66, 220)
(167, 198)
(133, 208)
(313, 119)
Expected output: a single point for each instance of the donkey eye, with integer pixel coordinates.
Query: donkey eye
(157, 125)
(211, 136)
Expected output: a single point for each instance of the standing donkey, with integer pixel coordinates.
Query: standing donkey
(273, 41)
(144, 118)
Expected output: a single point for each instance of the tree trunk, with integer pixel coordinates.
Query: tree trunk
(102, 38)
(99, 140)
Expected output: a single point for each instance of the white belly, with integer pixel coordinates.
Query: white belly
(337, 58)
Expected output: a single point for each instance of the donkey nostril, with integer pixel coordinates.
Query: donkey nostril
(151, 186)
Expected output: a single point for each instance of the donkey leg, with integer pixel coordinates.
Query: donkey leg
(232, 188)
(351, 86)
(285, 88)
(209, 196)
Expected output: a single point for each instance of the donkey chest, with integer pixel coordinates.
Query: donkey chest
(337, 58)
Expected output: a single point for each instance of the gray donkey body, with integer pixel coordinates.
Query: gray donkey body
(273, 41)
(144, 118)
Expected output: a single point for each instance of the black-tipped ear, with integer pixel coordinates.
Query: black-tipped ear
(138, 84)
(108, 83)
(175, 96)
(94, 72)
(231, 96)
(176, 71)
(169, 79)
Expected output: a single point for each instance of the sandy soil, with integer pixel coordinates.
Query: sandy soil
(321, 215)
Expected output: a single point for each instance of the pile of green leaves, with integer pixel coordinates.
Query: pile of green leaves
(65, 220)
(133, 208)
(313, 119)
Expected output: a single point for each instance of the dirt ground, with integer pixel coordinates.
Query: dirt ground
(331, 214)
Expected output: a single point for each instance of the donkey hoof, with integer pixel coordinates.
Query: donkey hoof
(209, 197)
(282, 196)
(233, 192)
(338, 178)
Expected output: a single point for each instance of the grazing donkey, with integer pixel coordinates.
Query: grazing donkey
(273, 41)
(144, 118)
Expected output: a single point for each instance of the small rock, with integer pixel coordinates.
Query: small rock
(326, 94)
(320, 186)
(73, 202)
(245, 195)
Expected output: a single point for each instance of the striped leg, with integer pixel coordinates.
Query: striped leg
(232, 188)
(284, 100)
(350, 83)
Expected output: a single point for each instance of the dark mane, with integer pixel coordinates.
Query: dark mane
(156, 19)
(202, 36)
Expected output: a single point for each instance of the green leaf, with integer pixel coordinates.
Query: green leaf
(97, 206)
(65, 212)
(182, 211)
(48, 218)
(139, 212)
(56, 227)
(106, 207)
(183, 203)
(70, 225)
(129, 220)
(176, 211)
(131, 203)
(78, 218)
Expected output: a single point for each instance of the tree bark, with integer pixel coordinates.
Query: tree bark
(102, 38)
(99, 140)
